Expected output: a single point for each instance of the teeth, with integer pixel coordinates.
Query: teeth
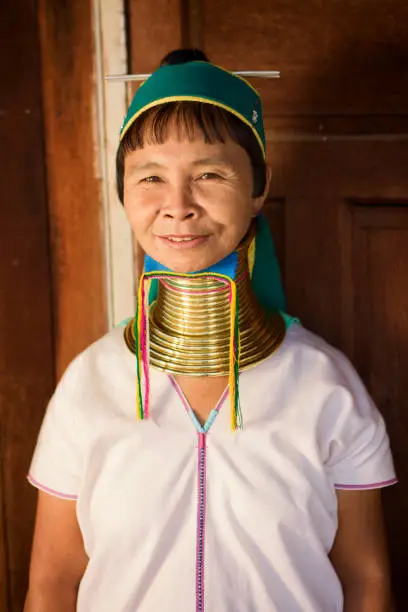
(181, 239)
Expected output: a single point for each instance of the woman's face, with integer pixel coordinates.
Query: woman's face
(189, 203)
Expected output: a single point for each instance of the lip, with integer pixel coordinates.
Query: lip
(193, 242)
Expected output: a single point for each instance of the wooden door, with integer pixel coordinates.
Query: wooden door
(337, 131)
(26, 325)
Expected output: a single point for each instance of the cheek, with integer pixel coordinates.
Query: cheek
(224, 202)
(233, 212)
(140, 208)
(237, 217)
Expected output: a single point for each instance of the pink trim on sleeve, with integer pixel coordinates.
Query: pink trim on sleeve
(374, 485)
(42, 487)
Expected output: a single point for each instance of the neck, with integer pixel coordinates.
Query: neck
(189, 329)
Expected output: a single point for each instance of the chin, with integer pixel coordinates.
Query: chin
(188, 267)
(186, 263)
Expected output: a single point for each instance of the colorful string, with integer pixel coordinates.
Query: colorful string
(142, 352)
(138, 353)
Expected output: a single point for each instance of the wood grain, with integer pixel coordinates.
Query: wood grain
(4, 590)
(335, 57)
(26, 325)
(155, 29)
(74, 197)
(380, 240)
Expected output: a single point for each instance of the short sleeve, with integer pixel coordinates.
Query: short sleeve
(358, 451)
(56, 465)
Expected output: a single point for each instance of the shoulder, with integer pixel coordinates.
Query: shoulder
(107, 352)
(312, 357)
(107, 359)
(323, 377)
(308, 373)
(309, 376)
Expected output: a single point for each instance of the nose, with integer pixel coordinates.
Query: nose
(179, 204)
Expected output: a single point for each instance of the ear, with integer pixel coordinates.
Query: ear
(258, 202)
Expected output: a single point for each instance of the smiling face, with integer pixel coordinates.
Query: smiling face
(189, 202)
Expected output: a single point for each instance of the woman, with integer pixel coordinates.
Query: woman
(269, 504)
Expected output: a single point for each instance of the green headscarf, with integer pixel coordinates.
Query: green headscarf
(199, 82)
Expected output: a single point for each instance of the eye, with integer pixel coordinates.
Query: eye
(151, 179)
(208, 176)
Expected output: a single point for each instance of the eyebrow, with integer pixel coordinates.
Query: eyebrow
(213, 161)
(205, 161)
(146, 166)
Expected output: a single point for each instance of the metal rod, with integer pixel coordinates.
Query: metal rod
(127, 77)
(261, 74)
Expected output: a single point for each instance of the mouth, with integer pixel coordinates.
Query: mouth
(185, 241)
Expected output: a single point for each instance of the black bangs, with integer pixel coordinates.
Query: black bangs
(186, 117)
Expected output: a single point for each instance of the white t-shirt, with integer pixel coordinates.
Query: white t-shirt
(177, 517)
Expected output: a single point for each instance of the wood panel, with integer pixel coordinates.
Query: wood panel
(336, 57)
(26, 342)
(274, 210)
(75, 204)
(380, 241)
(318, 182)
(3, 528)
(150, 37)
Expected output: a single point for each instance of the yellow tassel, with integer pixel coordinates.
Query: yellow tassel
(139, 314)
(251, 256)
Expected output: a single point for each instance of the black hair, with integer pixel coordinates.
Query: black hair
(214, 123)
(182, 56)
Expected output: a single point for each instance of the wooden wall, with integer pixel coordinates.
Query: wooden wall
(52, 291)
(26, 322)
(74, 190)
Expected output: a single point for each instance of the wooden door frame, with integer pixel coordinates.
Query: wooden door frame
(26, 324)
(112, 58)
(91, 245)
